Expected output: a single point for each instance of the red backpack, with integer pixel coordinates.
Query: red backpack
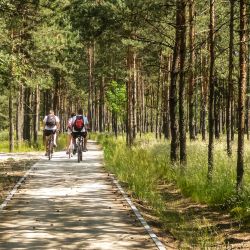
(79, 123)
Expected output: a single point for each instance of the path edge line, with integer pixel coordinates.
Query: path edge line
(149, 230)
(17, 185)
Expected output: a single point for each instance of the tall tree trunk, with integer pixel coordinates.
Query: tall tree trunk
(20, 115)
(57, 79)
(211, 92)
(191, 70)
(27, 117)
(216, 110)
(158, 101)
(242, 92)
(142, 105)
(134, 96)
(96, 110)
(204, 96)
(90, 93)
(36, 115)
(11, 122)
(178, 61)
(101, 104)
(165, 98)
(152, 109)
(230, 80)
(182, 30)
(129, 137)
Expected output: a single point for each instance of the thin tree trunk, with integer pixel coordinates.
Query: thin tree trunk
(230, 80)
(27, 117)
(36, 115)
(130, 138)
(134, 97)
(20, 115)
(11, 122)
(101, 104)
(158, 102)
(90, 71)
(211, 92)
(204, 96)
(242, 92)
(191, 70)
(216, 110)
(151, 110)
(182, 30)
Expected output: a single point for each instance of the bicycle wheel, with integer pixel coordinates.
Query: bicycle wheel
(50, 151)
(79, 150)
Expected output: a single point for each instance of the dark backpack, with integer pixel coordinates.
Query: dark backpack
(79, 123)
(51, 121)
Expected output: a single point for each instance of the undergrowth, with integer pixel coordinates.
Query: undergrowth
(146, 166)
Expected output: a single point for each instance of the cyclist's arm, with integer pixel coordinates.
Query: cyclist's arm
(44, 122)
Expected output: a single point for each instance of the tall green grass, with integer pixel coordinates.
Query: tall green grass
(146, 165)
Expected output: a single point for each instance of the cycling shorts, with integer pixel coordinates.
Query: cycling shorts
(48, 132)
(76, 134)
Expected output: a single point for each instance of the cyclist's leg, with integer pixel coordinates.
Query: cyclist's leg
(46, 139)
(54, 138)
(85, 139)
(74, 135)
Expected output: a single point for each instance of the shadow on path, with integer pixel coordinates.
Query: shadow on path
(70, 205)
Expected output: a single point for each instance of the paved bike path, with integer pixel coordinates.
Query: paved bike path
(69, 205)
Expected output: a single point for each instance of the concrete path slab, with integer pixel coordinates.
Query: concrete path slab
(70, 205)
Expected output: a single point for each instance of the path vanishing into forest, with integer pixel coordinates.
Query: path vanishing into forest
(63, 204)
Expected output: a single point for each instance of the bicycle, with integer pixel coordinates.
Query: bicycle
(79, 143)
(50, 146)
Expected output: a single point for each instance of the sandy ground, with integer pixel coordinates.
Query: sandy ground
(69, 205)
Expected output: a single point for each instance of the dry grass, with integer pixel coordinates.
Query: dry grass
(11, 171)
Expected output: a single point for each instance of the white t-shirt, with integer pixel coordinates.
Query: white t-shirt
(50, 128)
(86, 122)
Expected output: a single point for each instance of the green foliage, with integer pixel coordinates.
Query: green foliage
(147, 165)
(116, 97)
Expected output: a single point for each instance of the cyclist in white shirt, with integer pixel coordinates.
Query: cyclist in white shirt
(69, 131)
(51, 125)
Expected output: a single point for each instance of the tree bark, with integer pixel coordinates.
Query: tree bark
(129, 137)
(36, 115)
(11, 122)
(211, 92)
(242, 92)
(230, 80)
(165, 98)
(101, 104)
(20, 115)
(191, 70)
(27, 116)
(90, 93)
(183, 153)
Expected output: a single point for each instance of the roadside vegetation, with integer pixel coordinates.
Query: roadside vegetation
(145, 171)
(26, 146)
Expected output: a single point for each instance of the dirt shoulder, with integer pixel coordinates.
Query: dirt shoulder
(189, 225)
(12, 169)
